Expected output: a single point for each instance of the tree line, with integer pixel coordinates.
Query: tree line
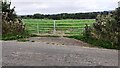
(88, 15)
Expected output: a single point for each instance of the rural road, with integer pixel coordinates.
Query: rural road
(42, 54)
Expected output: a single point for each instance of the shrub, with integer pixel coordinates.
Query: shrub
(107, 28)
(12, 26)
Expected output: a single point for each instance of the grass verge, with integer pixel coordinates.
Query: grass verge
(15, 36)
(95, 42)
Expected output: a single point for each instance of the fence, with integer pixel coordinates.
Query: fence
(55, 27)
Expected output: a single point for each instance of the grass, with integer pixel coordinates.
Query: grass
(22, 40)
(68, 26)
(15, 36)
(95, 42)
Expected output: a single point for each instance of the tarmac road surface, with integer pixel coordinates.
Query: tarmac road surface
(42, 54)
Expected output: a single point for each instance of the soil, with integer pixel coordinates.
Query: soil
(59, 41)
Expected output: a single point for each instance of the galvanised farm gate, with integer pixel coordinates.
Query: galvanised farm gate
(56, 27)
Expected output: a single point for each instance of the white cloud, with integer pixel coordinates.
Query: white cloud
(62, 6)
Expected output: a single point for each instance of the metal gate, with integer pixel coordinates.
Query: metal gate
(55, 27)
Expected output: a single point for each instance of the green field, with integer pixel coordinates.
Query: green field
(66, 27)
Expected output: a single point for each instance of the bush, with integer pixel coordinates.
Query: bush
(12, 26)
(87, 31)
(106, 29)
(105, 32)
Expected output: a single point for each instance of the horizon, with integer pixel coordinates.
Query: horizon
(50, 7)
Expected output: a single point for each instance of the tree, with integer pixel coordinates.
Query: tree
(11, 24)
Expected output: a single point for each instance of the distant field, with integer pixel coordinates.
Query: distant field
(71, 27)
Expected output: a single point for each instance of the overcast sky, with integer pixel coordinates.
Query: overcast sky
(24, 7)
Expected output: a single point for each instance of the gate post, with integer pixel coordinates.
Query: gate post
(54, 31)
(37, 28)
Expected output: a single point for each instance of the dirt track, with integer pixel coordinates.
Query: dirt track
(41, 53)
